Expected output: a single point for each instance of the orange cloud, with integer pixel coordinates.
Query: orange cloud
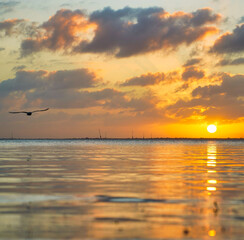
(61, 31)
(223, 102)
(145, 80)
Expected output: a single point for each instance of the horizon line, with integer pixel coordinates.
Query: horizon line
(121, 138)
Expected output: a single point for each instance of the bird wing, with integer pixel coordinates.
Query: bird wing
(18, 112)
(41, 110)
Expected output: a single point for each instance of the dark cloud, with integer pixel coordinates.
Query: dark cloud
(123, 33)
(192, 73)
(71, 98)
(18, 68)
(107, 98)
(45, 81)
(185, 77)
(8, 6)
(147, 102)
(230, 42)
(237, 61)
(192, 62)
(128, 31)
(230, 86)
(17, 27)
(76, 79)
(29, 46)
(224, 101)
(142, 104)
(10, 26)
(65, 89)
(204, 16)
(23, 81)
(144, 80)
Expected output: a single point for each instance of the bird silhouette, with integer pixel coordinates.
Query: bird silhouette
(30, 113)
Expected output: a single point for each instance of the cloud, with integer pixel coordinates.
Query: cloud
(107, 98)
(230, 86)
(71, 98)
(192, 62)
(23, 81)
(192, 73)
(61, 31)
(185, 76)
(67, 89)
(76, 79)
(224, 101)
(237, 61)
(230, 42)
(44, 81)
(10, 26)
(125, 32)
(29, 46)
(204, 16)
(144, 80)
(17, 27)
(18, 68)
(142, 104)
(9, 6)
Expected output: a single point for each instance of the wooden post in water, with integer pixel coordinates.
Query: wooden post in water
(100, 136)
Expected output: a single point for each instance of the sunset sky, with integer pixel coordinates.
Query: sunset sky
(160, 68)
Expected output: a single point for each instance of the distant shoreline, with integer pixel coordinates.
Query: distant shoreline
(130, 139)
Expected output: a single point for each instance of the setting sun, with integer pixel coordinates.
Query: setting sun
(212, 128)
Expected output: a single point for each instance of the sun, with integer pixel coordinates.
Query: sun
(212, 128)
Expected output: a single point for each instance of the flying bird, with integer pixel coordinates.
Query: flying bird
(30, 113)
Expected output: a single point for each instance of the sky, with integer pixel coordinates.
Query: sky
(158, 68)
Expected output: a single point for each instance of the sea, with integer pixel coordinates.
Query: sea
(122, 189)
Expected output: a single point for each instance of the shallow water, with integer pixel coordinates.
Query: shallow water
(121, 189)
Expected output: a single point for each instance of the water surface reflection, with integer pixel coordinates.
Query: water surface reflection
(121, 189)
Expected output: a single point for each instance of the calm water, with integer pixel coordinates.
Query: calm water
(121, 189)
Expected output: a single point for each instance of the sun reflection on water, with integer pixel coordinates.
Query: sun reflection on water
(211, 181)
(211, 233)
(211, 188)
(211, 162)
